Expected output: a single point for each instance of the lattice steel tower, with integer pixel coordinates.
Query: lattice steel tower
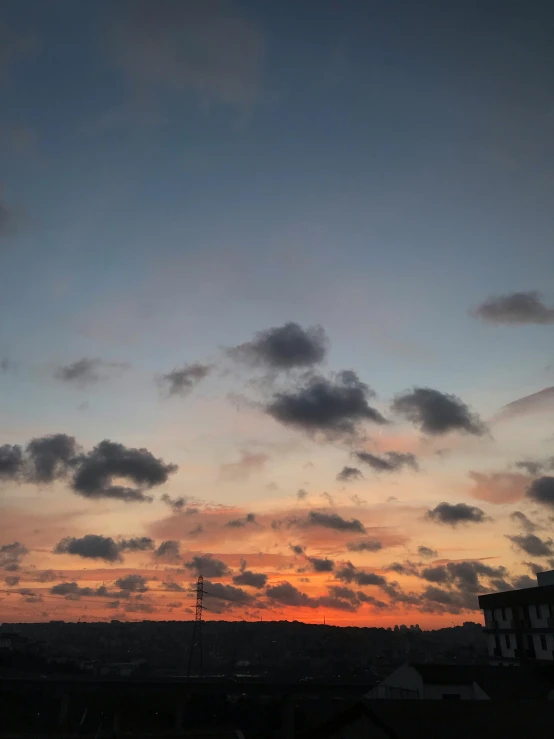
(196, 643)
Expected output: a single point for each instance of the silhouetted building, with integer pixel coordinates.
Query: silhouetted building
(465, 682)
(520, 623)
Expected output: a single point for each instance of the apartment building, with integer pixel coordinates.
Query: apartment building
(520, 623)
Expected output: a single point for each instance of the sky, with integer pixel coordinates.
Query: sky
(277, 308)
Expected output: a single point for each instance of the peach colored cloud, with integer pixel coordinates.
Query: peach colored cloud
(499, 487)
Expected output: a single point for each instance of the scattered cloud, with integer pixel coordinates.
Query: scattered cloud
(437, 413)
(182, 381)
(11, 461)
(110, 459)
(388, 462)
(301, 494)
(176, 504)
(454, 514)
(173, 587)
(248, 464)
(250, 579)
(516, 308)
(347, 474)
(525, 523)
(288, 595)
(499, 487)
(321, 565)
(12, 580)
(168, 550)
(237, 523)
(542, 491)
(90, 546)
(334, 521)
(284, 348)
(138, 544)
(86, 371)
(533, 545)
(364, 545)
(132, 583)
(11, 556)
(332, 408)
(426, 552)
(50, 458)
(207, 566)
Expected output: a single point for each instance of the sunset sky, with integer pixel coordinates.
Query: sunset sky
(277, 308)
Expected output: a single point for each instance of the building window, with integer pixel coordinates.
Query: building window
(543, 642)
(451, 697)
(538, 611)
(507, 640)
(530, 644)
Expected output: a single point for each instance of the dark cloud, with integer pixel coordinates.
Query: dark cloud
(534, 567)
(463, 581)
(50, 457)
(11, 462)
(330, 407)
(349, 573)
(444, 597)
(522, 520)
(238, 523)
(334, 521)
(168, 550)
(91, 546)
(48, 576)
(437, 413)
(196, 530)
(207, 566)
(321, 565)
(371, 600)
(388, 462)
(453, 515)
(12, 580)
(436, 574)
(251, 579)
(524, 581)
(207, 49)
(173, 587)
(71, 590)
(534, 467)
(349, 473)
(288, 595)
(542, 491)
(533, 545)
(302, 494)
(297, 549)
(132, 583)
(514, 308)
(176, 504)
(85, 371)
(11, 556)
(138, 544)
(364, 545)
(218, 591)
(182, 381)
(340, 591)
(109, 459)
(284, 347)
(424, 551)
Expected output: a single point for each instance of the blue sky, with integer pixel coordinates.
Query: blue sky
(176, 177)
